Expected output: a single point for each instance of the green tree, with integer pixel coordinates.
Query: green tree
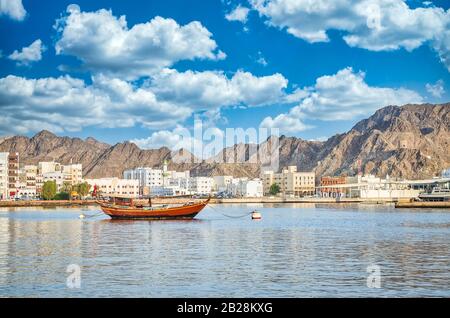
(66, 187)
(62, 196)
(49, 190)
(83, 189)
(274, 189)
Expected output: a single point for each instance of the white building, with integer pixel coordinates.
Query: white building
(372, 187)
(222, 183)
(115, 186)
(159, 182)
(201, 185)
(4, 175)
(246, 188)
(147, 177)
(56, 176)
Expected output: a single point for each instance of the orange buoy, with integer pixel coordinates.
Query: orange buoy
(256, 215)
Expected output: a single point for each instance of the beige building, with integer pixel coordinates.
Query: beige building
(48, 167)
(290, 181)
(73, 173)
(115, 186)
(4, 175)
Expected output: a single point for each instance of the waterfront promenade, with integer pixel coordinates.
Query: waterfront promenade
(274, 200)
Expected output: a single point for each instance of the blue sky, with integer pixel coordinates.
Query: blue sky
(268, 66)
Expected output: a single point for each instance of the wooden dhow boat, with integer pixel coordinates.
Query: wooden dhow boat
(125, 208)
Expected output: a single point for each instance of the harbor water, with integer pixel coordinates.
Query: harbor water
(295, 250)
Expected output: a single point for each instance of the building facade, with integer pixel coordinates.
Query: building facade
(246, 188)
(4, 180)
(115, 186)
(328, 187)
(13, 174)
(290, 181)
(73, 173)
(201, 185)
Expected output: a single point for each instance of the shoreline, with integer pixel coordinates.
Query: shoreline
(380, 201)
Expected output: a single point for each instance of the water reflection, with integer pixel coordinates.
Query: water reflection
(298, 250)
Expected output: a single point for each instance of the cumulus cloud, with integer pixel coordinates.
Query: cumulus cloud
(436, 90)
(172, 139)
(66, 103)
(342, 96)
(13, 8)
(212, 89)
(239, 14)
(105, 43)
(165, 100)
(377, 25)
(29, 54)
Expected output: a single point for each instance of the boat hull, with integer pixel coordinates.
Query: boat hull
(177, 213)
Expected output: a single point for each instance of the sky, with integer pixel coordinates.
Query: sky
(144, 70)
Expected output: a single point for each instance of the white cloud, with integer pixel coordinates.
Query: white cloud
(13, 8)
(261, 60)
(29, 54)
(239, 14)
(66, 103)
(437, 89)
(342, 96)
(377, 25)
(213, 89)
(104, 43)
(173, 139)
(286, 123)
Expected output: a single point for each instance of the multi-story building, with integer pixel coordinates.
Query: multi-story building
(201, 185)
(73, 173)
(115, 186)
(222, 183)
(159, 181)
(4, 181)
(27, 182)
(246, 188)
(48, 166)
(290, 181)
(56, 176)
(328, 186)
(147, 178)
(13, 174)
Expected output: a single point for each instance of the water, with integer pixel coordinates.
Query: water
(296, 250)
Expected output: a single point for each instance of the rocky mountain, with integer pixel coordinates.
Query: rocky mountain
(411, 141)
(46, 146)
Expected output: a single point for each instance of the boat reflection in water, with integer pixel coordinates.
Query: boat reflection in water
(125, 208)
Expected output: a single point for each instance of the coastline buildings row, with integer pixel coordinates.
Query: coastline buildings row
(18, 181)
(26, 181)
(162, 182)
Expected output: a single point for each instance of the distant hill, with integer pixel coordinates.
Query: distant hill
(411, 141)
